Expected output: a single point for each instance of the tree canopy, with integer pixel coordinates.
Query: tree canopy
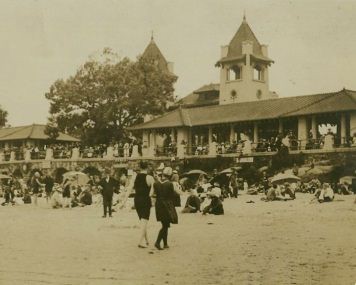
(3, 117)
(106, 95)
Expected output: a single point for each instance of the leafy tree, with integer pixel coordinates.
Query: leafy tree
(51, 130)
(3, 117)
(106, 95)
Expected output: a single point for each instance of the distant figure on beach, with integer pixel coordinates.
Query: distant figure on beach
(192, 204)
(49, 183)
(325, 193)
(108, 185)
(36, 186)
(215, 207)
(165, 210)
(66, 193)
(142, 201)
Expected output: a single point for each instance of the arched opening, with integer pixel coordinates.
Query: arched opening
(258, 73)
(234, 73)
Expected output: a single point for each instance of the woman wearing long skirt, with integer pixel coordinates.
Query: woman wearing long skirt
(165, 210)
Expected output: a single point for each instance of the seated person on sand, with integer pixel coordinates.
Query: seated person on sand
(325, 193)
(215, 207)
(85, 198)
(193, 203)
(345, 189)
(253, 190)
(287, 190)
(273, 194)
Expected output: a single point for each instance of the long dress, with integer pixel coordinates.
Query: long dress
(135, 151)
(165, 210)
(328, 142)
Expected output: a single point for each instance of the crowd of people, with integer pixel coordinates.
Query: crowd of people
(160, 187)
(128, 148)
(132, 147)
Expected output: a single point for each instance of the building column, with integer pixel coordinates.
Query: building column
(352, 124)
(280, 126)
(152, 144)
(212, 144)
(343, 135)
(182, 142)
(302, 132)
(145, 143)
(255, 132)
(314, 127)
(232, 134)
(173, 137)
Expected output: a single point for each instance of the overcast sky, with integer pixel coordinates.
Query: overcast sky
(313, 43)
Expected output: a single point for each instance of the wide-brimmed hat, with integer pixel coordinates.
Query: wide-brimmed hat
(167, 171)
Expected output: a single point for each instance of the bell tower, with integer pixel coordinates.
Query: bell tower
(244, 67)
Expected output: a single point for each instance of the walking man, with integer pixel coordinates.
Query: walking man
(108, 185)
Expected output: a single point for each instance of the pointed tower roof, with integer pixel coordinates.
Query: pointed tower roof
(153, 52)
(244, 33)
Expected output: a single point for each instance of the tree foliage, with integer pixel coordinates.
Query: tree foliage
(3, 117)
(106, 95)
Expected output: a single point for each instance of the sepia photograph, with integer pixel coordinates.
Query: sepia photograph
(178, 142)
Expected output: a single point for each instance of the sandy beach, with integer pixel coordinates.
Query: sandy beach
(292, 242)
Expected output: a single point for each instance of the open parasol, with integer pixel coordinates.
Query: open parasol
(231, 170)
(281, 178)
(79, 178)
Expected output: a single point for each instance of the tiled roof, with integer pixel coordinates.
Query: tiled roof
(153, 52)
(344, 100)
(195, 99)
(244, 33)
(208, 88)
(35, 132)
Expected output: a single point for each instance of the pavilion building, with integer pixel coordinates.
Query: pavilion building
(241, 107)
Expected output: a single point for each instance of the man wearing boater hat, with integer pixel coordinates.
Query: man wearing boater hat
(108, 185)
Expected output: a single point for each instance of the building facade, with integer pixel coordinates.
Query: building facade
(240, 115)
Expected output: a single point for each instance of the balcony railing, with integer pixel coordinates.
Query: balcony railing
(261, 148)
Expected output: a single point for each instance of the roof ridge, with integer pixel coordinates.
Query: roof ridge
(349, 95)
(312, 103)
(31, 132)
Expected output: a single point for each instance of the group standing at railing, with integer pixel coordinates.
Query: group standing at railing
(131, 148)
(243, 146)
(134, 148)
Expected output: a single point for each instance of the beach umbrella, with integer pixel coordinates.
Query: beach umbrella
(347, 179)
(283, 177)
(231, 170)
(4, 176)
(263, 168)
(78, 177)
(195, 172)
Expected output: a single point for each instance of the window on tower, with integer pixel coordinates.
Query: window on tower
(258, 73)
(234, 73)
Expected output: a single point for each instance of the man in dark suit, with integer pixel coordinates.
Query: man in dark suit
(108, 186)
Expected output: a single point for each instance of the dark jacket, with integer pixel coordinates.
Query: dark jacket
(108, 188)
(49, 183)
(165, 195)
